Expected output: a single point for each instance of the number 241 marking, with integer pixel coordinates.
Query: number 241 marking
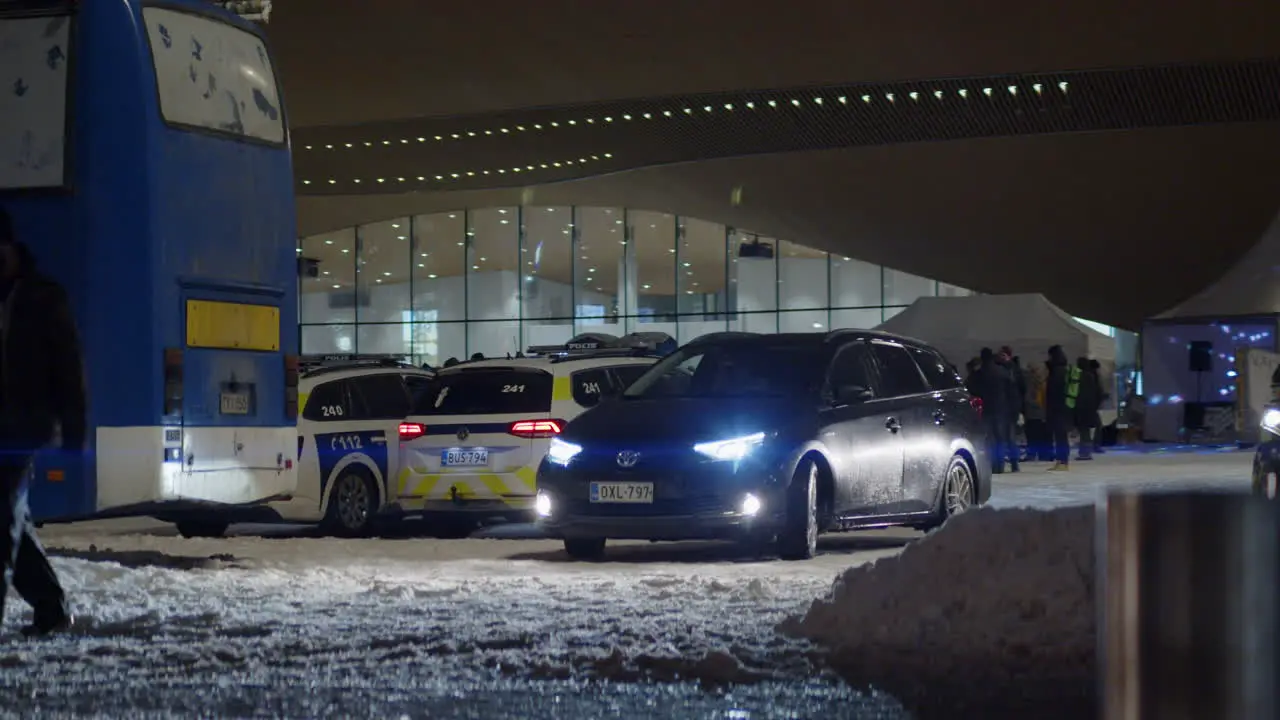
(512, 388)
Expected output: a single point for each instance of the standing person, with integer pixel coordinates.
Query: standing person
(1039, 440)
(1087, 402)
(993, 384)
(42, 396)
(1095, 373)
(1062, 386)
(1015, 391)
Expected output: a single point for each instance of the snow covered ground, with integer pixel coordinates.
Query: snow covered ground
(273, 622)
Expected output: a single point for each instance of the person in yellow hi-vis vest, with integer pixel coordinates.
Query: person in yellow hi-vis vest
(1062, 387)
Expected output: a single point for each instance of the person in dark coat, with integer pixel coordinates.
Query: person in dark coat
(1060, 399)
(1087, 403)
(1015, 394)
(1095, 370)
(995, 386)
(42, 398)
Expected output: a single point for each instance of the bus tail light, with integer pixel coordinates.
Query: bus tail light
(536, 428)
(291, 387)
(411, 431)
(172, 382)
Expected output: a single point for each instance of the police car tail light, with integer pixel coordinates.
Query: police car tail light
(976, 404)
(410, 431)
(536, 428)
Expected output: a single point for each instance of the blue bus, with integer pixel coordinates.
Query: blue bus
(144, 157)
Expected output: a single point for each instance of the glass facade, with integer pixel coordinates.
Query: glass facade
(497, 280)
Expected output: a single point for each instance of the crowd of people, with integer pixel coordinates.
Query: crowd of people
(1047, 402)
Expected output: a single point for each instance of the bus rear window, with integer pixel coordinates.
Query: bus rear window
(486, 391)
(34, 53)
(213, 76)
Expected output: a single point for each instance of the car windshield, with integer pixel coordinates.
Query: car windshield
(731, 370)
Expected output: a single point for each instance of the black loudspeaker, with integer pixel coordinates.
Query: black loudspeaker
(1200, 356)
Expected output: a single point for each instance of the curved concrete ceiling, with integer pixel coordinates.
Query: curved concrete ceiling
(353, 62)
(1114, 225)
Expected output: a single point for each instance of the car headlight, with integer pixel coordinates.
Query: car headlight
(730, 449)
(562, 452)
(1271, 421)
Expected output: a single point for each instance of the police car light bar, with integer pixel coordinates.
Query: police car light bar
(601, 343)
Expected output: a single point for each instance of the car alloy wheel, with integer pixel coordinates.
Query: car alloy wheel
(352, 498)
(958, 490)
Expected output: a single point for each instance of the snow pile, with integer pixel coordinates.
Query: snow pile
(996, 600)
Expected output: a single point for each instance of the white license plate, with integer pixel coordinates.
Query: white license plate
(475, 457)
(235, 403)
(621, 492)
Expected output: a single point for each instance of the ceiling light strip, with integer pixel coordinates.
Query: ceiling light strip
(835, 100)
(568, 163)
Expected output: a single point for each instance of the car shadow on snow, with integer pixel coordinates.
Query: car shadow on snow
(718, 551)
(148, 558)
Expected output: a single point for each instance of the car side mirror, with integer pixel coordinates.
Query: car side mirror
(852, 394)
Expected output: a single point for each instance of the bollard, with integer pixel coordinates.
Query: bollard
(1188, 590)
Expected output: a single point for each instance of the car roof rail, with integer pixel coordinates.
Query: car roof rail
(725, 335)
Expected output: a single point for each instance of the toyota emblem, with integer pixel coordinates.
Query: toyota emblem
(463, 434)
(628, 458)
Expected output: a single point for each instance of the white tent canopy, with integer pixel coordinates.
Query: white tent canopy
(961, 326)
(1250, 287)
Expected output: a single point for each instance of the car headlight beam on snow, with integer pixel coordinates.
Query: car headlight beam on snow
(1271, 421)
(731, 449)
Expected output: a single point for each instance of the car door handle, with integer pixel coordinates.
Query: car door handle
(939, 417)
(892, 425)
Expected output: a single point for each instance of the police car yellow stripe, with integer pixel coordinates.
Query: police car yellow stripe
(425, 485)
(561, 389)
(529, 477)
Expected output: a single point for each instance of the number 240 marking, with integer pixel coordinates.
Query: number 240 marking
(331, 410)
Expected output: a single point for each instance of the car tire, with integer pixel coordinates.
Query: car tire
(584, 548)
(353, 504)
(201, 528)
(959, 489)
(799, 537)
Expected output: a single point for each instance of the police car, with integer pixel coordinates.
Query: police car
(348, 435)
(471, 446)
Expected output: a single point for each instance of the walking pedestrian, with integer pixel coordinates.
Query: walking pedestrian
(42, 398)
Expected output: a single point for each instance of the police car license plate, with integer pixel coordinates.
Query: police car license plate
(234, 403)
(621, 492)
(473, 457)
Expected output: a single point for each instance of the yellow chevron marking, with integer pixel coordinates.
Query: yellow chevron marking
(424, 486)
(495, 485)
(404, 481)
(529, 477)
(561, 390)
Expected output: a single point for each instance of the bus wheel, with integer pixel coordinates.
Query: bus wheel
(201, 528)
(353, 504)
